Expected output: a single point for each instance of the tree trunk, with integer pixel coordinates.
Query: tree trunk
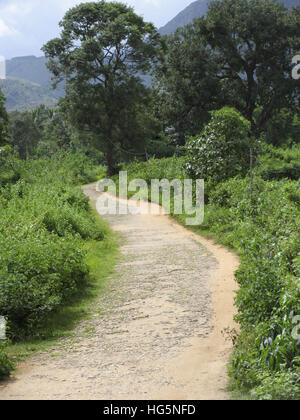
(111, 163)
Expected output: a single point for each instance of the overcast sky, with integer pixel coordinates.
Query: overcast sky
(25, 25)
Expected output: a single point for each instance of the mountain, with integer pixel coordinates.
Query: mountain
(29, 68)
(198, 9)
(193, 11)
(23, 94)
(28, 84)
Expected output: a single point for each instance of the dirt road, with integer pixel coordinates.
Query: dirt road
(157, 331)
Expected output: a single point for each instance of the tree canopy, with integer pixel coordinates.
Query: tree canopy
(240, 55)
(102, 49)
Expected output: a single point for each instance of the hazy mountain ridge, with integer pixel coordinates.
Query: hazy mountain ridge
(29, 68)
(28, 84)
(193, 11)
(23, 94)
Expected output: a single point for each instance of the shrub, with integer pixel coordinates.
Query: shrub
(221, 151)
(38, 273)
(279, 386)
(168, 168)
(266, 232)
(6, 364)
(9, 166)
(276, 163)
(44, 222)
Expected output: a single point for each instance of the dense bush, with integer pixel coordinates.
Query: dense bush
(222, 150)
(44, 221)
(66, 167)
(38, 273)
(277, 163)
(169, 168)
(6, 364)
(266, 232)
(9, 166)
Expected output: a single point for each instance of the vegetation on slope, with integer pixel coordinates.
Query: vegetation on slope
(46, 224)
(23, 94)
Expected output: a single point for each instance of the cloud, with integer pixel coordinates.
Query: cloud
(5, 30)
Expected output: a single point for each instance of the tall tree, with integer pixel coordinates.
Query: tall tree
(254, 41)
(186, 86)
(244, 49)
(101, 49)
(25, 133)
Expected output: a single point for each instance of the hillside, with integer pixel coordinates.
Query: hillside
(29, 68)
(198, 9)
(28, 84)
(23, 94)
(193, 11)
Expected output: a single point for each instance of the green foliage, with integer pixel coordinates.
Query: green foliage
(10, 166)
(102, 48)
(71, 168)
(169, 168)
(281, 386)
(40, 132)
(44, 222)
(186, 86)
(266, 232)
(277, 163)
(221, 151)
(239, 55)
(283, 129)
(6, 364)
(160, 148)
(24, 133)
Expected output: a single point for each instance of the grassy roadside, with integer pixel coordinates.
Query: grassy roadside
(101, 258)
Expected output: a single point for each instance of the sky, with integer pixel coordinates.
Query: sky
(25, 25)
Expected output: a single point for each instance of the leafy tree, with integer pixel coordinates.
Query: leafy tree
(284, 128)
(41, 131)
(3, 120)
(221, 151)
(25, 133)
(255, 41)
(55, 132)
(242, 53)
(101, 49)
(186, 88)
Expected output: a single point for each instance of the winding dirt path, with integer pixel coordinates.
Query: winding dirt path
(157, 331)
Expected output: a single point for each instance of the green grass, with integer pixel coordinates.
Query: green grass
(101, 259)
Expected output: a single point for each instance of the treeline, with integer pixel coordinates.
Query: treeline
(239, 55)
